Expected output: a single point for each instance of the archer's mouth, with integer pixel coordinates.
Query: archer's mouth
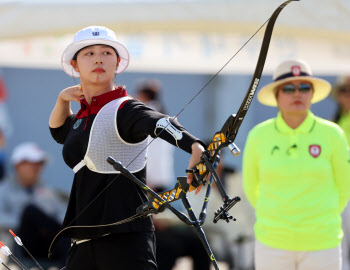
(98, 70)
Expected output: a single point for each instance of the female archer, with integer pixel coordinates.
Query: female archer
(109, 123)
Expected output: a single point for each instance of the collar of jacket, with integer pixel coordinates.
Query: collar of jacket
(97, 102)
(305, 127)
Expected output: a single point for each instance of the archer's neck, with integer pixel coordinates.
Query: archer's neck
(91, 90)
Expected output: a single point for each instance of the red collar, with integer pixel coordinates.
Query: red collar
(97, 102)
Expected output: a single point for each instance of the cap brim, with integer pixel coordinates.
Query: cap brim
(69, 52)
(267, 94)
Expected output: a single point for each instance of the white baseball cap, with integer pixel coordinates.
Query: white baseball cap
(93, 35)
(28, 151)
(291, 70)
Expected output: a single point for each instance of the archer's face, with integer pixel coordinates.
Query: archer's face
(96, 64)
(290, 101)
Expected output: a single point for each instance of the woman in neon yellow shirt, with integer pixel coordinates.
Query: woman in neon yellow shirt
(296, 171)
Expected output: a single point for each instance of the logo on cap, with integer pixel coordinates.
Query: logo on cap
(315, 150)
(296, 70)
(95, 33)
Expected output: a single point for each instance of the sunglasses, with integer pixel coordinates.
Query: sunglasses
(291, 88)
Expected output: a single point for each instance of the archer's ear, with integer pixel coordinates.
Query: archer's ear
(118, 61)
(74, 64)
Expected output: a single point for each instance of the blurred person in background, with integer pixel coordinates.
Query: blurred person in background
(160, 161)
(341, 94)
(109, 123)
(296, 173)
(30, 208)
(174, 239)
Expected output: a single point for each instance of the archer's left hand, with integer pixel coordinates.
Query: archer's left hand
(197, 150)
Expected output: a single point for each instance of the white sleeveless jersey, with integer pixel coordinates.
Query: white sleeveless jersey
(105, 141)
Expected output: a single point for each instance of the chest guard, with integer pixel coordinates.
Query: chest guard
(105, 141)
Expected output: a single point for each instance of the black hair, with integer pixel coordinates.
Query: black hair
(150, 93)
(151, 89)
(76, 54)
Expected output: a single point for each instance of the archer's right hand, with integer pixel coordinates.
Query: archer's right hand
(72, 93)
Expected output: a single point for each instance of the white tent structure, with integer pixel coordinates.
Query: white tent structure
(196, 36)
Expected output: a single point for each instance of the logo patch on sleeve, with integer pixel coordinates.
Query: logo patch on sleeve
(315, 150)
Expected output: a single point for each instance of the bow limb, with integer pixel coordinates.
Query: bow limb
(226, 136)
(259, 68)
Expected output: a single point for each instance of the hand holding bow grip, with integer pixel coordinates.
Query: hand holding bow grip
(199, 172)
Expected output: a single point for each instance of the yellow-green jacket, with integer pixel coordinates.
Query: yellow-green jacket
(298, 181)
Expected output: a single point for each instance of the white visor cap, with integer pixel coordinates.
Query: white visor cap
(89, 36)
